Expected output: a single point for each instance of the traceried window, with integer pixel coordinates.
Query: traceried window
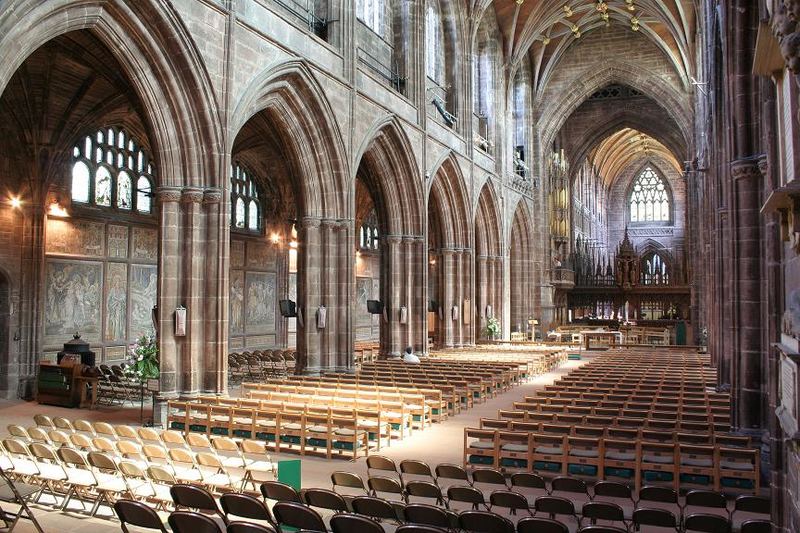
(368, 238)
(654, 270)
(109, 169)
(245, 200)
(649, 200)
(370, 12)
(434, 42)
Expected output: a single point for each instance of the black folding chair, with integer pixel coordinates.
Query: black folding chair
(18, 493)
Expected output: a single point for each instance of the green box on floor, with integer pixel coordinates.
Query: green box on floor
(289, 473)
(574, 357)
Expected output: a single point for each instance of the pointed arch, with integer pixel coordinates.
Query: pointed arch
(488, 223)
(523, 297)
(297, 104)
(553, 117)
(156, 52)
(448, 194)
(391, 177)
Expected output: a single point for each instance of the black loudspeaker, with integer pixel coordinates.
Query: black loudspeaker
(374, 307)
(288, 308)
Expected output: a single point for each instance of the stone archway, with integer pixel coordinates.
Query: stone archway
(388, 173)
(524, 297)
(289, 105)
(451, 264)
(489, 264)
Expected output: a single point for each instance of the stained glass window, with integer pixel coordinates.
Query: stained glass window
(245, 201)
(103, 170)
(649, 198)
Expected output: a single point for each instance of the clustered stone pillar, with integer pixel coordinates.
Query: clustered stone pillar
(309, 278)
(217, 238)
(747, 391)
(193, 263)
(169, 273)
(448, 279)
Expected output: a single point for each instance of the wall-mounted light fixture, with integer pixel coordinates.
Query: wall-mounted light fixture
(55, 210)
(15, 202)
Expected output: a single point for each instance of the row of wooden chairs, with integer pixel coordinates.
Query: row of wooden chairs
(439, 405)
(674, 463)
(306, 429)
(413, 402)
(599, 416)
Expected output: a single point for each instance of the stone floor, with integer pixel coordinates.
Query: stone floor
(438, 444)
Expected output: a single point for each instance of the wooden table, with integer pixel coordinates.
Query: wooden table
(84, 383)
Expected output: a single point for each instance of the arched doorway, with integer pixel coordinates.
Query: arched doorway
(287, 134)
(450, 258)
(489, 264)
(388, 205)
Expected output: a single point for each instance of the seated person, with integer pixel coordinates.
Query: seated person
(409, 357)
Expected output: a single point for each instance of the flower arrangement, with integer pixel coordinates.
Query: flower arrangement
(144, 358)
(492, 327)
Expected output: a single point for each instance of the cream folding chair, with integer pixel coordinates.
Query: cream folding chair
(43, 421)
(38, 434)
(215, 475)
(84, 426)
(105, 429)
(228, 452)
(23, 465)
(149, 436)
(80, 478)
(126, 432)
(110, 483)
(63, 423)
(132, 452)
(155, 454)
(259, 466)
(161, 480)
(81, 441)
(184, 465)
(58, 438)
(51, 474)
(173, 439)
(18, 431)
(102, 444)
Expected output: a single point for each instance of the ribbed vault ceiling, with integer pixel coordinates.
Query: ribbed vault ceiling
(545, 29)
(624, 148)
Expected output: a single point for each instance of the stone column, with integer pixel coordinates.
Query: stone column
(328, 283)
(458, 298)
(408, 289)
(216, 294)
(482, 295)
(747, 393)
(447, 281)
(419, 301)
(395, 296)
(193, 274)
(345, 337)
(309, 277)
(169, 260)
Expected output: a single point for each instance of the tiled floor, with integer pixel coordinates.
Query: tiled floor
(438, 444)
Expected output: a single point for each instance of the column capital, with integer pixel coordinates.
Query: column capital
(309, 222)
(393, 239)
(168, 194)
(212, 196)
(747, 168)
(191, 195)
